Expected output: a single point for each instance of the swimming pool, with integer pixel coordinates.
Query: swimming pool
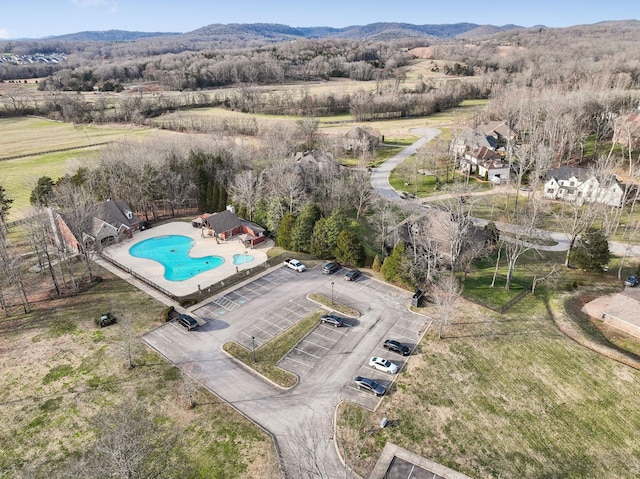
(172, 252)
(242, 259)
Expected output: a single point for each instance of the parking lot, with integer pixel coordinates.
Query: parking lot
(261, 309)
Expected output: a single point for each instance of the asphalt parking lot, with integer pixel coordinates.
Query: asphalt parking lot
(263, 308)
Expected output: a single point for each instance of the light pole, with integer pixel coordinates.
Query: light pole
(253, 348)
(332, 292)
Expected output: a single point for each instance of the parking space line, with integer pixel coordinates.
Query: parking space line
(274, 324)
(254, 338)
(315, 344)
(324, 336)
(299, 362)
(308, 354)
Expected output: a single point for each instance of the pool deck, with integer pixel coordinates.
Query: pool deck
(154, 271)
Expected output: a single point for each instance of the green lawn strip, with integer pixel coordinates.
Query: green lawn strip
(340, 308)
(268, 354)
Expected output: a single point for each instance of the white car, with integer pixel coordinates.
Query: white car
(295, 265)
(384, 365)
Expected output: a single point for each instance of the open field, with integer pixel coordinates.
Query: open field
(29, 136)
(34, 136)
(510, 396)
(59, 371)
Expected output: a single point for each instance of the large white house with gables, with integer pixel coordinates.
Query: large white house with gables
(582, 186)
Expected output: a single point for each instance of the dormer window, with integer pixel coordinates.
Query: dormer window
(129, 215)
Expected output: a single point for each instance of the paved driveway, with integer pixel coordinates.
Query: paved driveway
(326, 361)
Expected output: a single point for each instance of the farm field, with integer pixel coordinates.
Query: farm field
(33, 136)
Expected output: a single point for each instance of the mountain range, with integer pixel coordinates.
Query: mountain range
(270, 32)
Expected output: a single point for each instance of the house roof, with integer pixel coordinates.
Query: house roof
(484, 153)
(566, 172)
(496, 129)
(93, 217)
(223, 221)
(360, 133)
(493, 164)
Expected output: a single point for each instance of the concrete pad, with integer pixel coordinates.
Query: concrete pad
(203, 246)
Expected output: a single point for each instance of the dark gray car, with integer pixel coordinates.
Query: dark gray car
(370, 385)
(187, 322)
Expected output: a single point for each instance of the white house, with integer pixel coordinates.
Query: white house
(486, 163)
(495, 170)
(581, 185)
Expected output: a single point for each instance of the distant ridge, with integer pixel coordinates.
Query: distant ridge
(110, 36)
(273, 32)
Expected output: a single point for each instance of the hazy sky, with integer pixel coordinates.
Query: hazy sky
(40, 18)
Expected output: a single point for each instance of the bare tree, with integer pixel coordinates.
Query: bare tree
(308, 128)
(360, 187)
(39, 234)
(131, 444)
(385, 216)
(11, 279)
(520, 237)
(246, 190)
(445, 292)
(127, 340)
(187, 390)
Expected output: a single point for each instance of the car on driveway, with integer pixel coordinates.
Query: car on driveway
(353, 275)
(631, 281)
(332, 319)
(370, 385)
(396, 347)
(331, 268)
(384, 365)
(187, 322)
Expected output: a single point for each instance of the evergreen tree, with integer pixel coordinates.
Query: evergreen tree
(41, 194)
(5, 206)
(392, 265)
(303, 230)
(336, 222)
(222, 198)
(285, 229)
(349, 249)
(592, 251)
(320, 245)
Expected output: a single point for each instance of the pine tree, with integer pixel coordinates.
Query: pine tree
(303, 230)
(592, 251)
(349, 249)
(285, 230)
(392, 265)
(319, 245)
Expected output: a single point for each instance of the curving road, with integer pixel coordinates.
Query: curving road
(380, 175)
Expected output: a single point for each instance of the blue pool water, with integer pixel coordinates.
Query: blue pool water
(172, 252)
(242, 258)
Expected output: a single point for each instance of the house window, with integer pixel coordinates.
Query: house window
(550, 190)
(129, 215)
(572, 183)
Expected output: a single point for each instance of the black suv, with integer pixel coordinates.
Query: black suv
(106, 320)
(396, 347)
(187, 322)
(331, 268)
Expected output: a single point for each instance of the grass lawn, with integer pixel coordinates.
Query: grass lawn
(268, 355)
(59, 370)
(30, 136)
(510, 396)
